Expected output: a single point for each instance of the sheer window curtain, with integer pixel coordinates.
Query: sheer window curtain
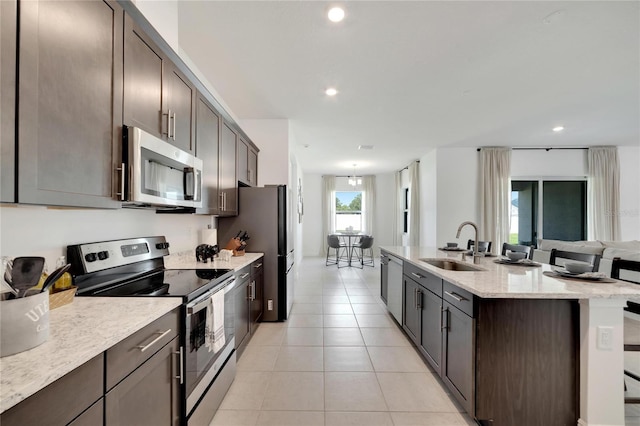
(414, 204)
(328, 210)
(369, 189)
(397, 211)
(603, 194)
(495, 195)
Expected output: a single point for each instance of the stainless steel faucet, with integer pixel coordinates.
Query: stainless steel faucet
(476, 256)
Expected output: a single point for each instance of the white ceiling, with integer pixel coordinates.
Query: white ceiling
(416, 75)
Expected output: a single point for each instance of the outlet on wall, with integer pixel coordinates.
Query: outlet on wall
(604, 338)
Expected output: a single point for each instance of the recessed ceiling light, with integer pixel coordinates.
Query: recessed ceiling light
(331, 91)
(558, 129)
(336, 14)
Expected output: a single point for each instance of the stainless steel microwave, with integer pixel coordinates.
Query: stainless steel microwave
(156, 173)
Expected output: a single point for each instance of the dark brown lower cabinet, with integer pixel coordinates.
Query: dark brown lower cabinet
(92, 416)
(457, 354)
(63, 400)
(527, 361)
(149, 395)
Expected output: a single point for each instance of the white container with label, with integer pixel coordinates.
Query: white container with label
(24, 323)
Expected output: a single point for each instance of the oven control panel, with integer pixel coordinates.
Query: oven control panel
(93, 257)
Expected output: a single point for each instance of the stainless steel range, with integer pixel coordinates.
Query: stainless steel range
(135, 268)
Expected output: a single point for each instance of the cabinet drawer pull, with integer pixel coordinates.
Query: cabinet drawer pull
(418, 276)
(455, 296)
(243, 276)
(154, 341)
(257, 266)
(181, 365)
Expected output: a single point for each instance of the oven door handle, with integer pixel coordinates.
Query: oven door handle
(203, 302)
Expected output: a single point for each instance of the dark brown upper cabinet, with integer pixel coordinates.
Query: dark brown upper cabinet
(247, 163)
(228, 183)
(207, 149)
(158, 98)
(8, 21)
(70, 102)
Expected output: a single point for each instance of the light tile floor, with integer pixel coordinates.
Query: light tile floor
(340, 359)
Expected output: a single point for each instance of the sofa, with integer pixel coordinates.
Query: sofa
(629, 250)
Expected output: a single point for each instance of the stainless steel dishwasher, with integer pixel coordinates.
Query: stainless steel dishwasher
(394, 288)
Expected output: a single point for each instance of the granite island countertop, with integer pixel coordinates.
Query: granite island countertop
(78, 332)
(513, 281)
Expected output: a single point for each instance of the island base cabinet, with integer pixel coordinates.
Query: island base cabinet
(92, 416)
(458, 354)
(149, 395)
(527, 362)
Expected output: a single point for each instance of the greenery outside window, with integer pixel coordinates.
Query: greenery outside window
(349, 211)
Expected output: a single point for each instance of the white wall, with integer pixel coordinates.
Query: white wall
(41, 231)
(163, 16)
(312, 220)
(273, 139)
(548, 164)
(384, 216)
(429, 199)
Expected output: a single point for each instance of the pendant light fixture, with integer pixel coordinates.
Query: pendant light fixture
(353, 179)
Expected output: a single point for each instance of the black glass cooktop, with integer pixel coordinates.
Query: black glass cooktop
(186, 283)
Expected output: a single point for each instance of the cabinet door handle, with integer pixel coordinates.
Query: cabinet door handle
(168, 132)
(181, 365)
(220, 201)
(418, 276)
(253, 290)
(243, 276)
(419, 300)
(122, 169)
(445, 322)
(174, 126)
(154, 341)
(249, 291)
(455, 296)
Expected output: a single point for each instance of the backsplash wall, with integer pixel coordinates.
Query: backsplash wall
(46, 232)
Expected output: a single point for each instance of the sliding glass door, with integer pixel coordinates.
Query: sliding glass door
(550, 209)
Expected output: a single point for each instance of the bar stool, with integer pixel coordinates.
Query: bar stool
(483, 246)
(333, 242)
(517, 248)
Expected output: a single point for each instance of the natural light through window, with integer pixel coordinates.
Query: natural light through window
(349, 211)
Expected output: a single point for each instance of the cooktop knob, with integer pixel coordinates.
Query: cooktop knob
(103, 255)
(90, 257)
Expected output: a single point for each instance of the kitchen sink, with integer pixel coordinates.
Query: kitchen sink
(451, 265)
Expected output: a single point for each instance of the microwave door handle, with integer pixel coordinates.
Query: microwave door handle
(188, 182)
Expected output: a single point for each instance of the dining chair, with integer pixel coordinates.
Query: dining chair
(483, 246)
(629, 271)
(363, 250)
(518, 248)
(592, 259)
(333, 242)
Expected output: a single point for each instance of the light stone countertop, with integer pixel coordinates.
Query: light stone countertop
(187, 260)
(78, 332)
(512, 281)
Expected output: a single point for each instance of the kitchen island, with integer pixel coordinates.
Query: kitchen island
(515, 342)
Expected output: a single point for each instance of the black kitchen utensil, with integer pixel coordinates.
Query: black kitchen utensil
(238, 234)
(26, 273)
(55, 275)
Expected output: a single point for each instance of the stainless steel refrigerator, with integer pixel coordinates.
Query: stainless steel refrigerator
(265, 214)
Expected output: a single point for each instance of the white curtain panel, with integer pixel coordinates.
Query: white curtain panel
(397, 215)
(414, 204)
(328, 210)
(495, 195)
(603, 194)
(369, 189)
